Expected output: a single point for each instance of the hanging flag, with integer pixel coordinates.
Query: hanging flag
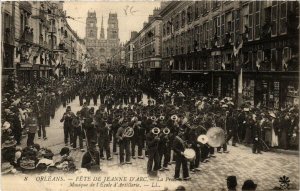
(236, 50)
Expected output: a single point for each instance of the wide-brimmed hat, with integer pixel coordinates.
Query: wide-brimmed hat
(249, 185)
(6, 167)
(9, 143)
(6, 125)
(272, 114)
(64, 150)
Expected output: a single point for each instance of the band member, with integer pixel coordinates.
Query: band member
(192, 141)
(114, 128)
(179, 147)
(257, 134)
(103, 137)
(137, 139)
(90, 159)
(163, 149)
(89, 127)
(124, 144)
(77, 124)
(68, 128)
(153, 154)
(222, 123)
(231, 126)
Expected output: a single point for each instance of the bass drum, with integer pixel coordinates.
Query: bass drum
(189, 154)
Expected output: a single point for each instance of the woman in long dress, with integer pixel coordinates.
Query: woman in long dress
(274, 142)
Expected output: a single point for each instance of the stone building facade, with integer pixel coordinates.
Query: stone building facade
(102, 49)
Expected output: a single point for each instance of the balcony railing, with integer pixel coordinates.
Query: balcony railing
(27, 35)
(26, 6)
(40, 15)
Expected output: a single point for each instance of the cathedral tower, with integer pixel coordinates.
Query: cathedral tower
(113, 28)
(91, 26)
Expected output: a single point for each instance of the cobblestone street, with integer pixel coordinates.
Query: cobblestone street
(264, 169)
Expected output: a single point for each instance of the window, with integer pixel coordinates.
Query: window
(196, 38)
(216, 4)
(273, 59)
(164, 30)
(196, 10)
(250, 37)
(274, 18)
(237, 23)
(257, 19)
(182, 18)
(245, 18)
(189, 14)
(6, 21)
(283, 17)
(222, 26)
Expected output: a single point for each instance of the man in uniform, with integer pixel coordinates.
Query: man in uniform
(68, 127)
(124, 143)
(153, 154)
(179, 147)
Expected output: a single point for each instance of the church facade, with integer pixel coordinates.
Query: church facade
(102, 49)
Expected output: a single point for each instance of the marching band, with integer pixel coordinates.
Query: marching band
(166, 130)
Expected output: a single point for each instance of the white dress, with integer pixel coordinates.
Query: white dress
(274, 142)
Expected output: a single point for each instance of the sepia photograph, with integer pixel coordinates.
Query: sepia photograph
(149, 95)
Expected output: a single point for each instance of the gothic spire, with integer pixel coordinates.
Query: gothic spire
(102, 30)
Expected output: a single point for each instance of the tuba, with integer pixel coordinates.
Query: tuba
(128, 132)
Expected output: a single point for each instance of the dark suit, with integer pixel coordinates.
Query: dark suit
(179, 147)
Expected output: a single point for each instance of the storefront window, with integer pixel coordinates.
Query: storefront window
(248, 91)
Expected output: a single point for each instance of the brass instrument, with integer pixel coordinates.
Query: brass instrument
(153, 118)
(216, 136)
(155, 131)
(128, 132)
(161, 117)
(174, 117)
(166, 131)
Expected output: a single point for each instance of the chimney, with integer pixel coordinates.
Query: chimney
(133, 34)
(150, 18)
(156, 11)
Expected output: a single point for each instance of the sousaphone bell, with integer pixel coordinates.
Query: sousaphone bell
(215, 137)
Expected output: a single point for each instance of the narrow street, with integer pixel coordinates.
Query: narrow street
(265, 169)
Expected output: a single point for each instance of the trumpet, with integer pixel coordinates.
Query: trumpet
(166, 131)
